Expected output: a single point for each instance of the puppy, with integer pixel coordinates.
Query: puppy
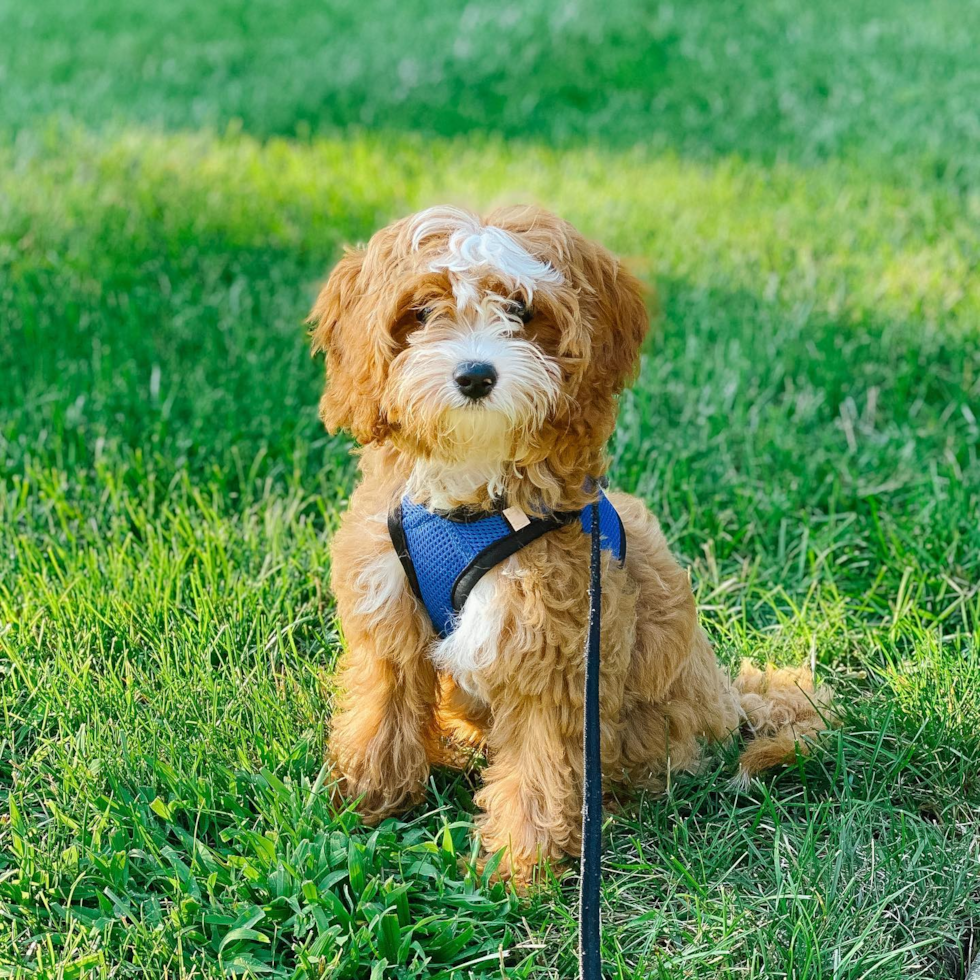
(478, 364)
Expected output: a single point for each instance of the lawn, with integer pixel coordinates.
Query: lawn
(801, 186)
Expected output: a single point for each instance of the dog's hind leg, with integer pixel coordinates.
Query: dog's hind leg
(462, 722)
(675, 696)
(666, 727)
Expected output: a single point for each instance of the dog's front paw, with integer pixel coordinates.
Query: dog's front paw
(374, 802)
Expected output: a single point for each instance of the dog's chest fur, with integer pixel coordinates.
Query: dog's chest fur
(473, 647)
(524, 623)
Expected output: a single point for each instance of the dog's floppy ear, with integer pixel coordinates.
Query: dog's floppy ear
(355, 373)
(621, 320)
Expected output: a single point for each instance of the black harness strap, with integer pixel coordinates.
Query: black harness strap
(590, 935)
(485, 561)
(396, 531)
(495, 553)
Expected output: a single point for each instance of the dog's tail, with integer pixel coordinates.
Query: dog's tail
(782, 708)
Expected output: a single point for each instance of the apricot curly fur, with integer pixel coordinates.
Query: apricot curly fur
(663, 694)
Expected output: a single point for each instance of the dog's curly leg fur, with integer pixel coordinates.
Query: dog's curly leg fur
(380, 742)
(463, 722)
(531, 795)
(384, 729)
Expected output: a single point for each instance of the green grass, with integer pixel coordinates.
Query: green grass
(800, 186)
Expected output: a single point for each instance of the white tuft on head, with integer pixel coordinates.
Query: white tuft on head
(474, 248)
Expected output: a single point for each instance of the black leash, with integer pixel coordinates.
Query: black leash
(590, 935)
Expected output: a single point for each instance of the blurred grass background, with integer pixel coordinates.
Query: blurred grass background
(800, 186)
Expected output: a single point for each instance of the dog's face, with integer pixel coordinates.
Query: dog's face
(493, 346)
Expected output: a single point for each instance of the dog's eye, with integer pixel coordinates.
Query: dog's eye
(423, 314)
(522, 311)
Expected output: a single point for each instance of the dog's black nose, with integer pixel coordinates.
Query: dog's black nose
(475, 379)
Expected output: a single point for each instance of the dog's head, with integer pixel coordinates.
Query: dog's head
(492, 348)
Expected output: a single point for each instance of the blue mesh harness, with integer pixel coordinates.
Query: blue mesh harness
(444, 557)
